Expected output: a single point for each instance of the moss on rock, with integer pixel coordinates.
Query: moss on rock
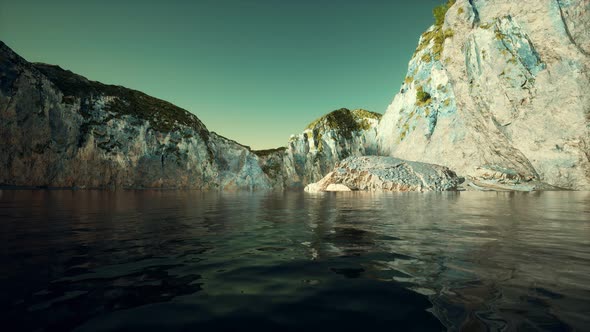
(162, 115)
(437, 34)
(267, 152)
(345, 121)
(422, 97)
(440, 12)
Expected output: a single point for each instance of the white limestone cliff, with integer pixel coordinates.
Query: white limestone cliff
(313, 153)
(58, 129)
(499, 91)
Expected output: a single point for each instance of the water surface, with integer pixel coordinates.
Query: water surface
(188, 261)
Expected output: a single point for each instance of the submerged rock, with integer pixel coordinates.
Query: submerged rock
(386, 174)
(483, 185)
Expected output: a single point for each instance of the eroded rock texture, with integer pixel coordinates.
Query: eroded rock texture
(375, 173)
(499, 90)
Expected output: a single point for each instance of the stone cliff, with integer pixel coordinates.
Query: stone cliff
(59, 129)
(326, 141)
(499, 90)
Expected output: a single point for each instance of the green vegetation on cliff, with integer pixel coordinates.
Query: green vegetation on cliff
(268, 152)
(345, 121)
(162, 115)
(437, 34)
(441, 11)
(422, 97)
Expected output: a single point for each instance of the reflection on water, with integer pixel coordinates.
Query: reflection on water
(155, 260)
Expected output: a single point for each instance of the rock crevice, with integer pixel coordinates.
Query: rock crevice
(506, 90)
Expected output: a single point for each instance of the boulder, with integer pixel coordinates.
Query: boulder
(374, 173)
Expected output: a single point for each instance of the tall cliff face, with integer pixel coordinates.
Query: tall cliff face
(499, 89)
(59, 129)
(309, 156)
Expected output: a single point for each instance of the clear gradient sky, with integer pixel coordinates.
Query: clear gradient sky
(255, 71)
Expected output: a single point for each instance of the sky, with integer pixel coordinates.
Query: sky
(255, 71)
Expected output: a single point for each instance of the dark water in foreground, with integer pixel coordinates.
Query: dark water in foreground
(173, 260)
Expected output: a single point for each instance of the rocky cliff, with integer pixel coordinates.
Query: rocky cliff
(59, 129)
(326, 141)
(499, 90)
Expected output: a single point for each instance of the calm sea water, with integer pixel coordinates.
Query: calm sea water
(191, 261)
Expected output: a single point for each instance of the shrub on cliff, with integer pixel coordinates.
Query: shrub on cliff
(440, 12)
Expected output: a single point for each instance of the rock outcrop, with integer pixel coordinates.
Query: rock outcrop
(326, 141)
(59, 129)
(499, 90)
(386, 174)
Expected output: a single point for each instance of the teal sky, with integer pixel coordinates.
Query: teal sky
(255, 71)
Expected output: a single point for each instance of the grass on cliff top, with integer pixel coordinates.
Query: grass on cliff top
(268, 152)
(437, 34)
(440, 12)
(345, 121)
(162, 115)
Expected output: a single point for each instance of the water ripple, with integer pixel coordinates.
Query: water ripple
(174, 260)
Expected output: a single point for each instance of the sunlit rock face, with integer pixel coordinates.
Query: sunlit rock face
(499, 91)
(326, 141)
(59, 129)
(375, 173)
